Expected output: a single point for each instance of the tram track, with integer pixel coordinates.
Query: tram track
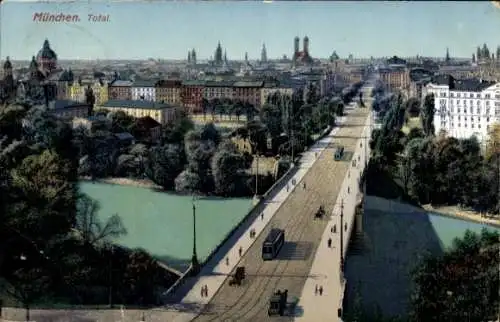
(249, 301)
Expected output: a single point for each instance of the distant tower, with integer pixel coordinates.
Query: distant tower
(47, 58)
(447, 57)
(7, 67)
(193, 56)
(263, 54)
(218, 54)
(246, 57)
(296, 44)
(33, 67)
(225, 57)
(189, 57)
(306, 45)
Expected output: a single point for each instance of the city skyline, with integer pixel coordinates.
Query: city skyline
(141, 30)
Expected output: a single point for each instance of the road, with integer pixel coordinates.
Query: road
(290, 270)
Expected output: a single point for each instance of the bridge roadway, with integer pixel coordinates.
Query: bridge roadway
(249, 302)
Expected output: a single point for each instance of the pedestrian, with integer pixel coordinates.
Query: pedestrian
(294, 182)
(261, 216)
(331, 230)
(240, 251)
(321, 290)
(329, 243)
(304, 185)
(348, 189)
(206, 290)
(287, 188)
(316, 155)
(227, 261)
(316, 290)
(202, 291)
(345, 226)
(334, 229)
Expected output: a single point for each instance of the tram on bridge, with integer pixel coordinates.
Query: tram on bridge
(273, 243)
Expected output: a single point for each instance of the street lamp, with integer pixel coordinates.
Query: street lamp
(195, 265)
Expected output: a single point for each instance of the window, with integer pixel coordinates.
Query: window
(471, 110)
(452, 95)
(472, 126)
(479, 125)
(487, 119)
(471, 95)
(478, 110)
(478, 96)
(487, 103)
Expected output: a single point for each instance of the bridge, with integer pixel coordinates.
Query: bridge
(305, 260)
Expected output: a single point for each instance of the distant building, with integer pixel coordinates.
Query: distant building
(192, 95)
(120, 90)
(248, 92)
(466, 107)
(161, 113)
(143, 90)
(68, 109)
(301, 57)
(169, 91)
(99, 88)
(46, 58)
(218, 90)
(395, 78)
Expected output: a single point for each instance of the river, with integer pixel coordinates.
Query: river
(162, 223)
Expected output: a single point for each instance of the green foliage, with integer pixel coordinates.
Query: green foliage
(164, 164)
(462, 284)
(227, 166)
(427, 115)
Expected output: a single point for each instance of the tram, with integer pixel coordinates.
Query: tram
(273, 243)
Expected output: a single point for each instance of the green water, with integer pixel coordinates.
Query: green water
(162, 223)
(447, 228)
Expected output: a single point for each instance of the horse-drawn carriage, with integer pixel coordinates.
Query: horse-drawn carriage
(320, 213)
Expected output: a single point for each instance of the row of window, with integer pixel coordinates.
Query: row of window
(469, 95)
(473, 126)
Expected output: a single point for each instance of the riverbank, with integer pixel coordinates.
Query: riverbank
(141, 183)
(456, 212)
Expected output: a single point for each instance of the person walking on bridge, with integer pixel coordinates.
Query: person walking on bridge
(240, 251)
(329, 243)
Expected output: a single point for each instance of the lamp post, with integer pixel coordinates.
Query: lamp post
(342, 236)
(110, 289)
(195, 265)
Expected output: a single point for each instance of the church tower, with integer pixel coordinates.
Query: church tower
(296, 45)
(263, 54)
(7, 67)
(306, 45)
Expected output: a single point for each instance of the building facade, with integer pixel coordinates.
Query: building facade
(99, 88)
(120, 90)
(464, 108)
(395, 78)
(218, 90)
(192, 95)
(161, 113)
(68, 109)
(248, 91)
(143, 90)
(168, 91)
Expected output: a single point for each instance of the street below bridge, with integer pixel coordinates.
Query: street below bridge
(291, 269)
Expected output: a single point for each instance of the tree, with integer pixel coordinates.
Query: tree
(227, 167)
(90, 229)
(141, 277)
(427, 115)
(175, 132)
(413, 107)
(271, 117)
(460, 285)
(493, 145)
(257, 137)
(164, 164)
(120, 121)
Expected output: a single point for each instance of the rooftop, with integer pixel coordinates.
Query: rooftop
(120, 83)
(143, 83)
(135, 104)
(464, 85)
(248, 84)
(224, 83)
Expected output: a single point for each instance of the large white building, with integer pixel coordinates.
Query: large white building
(466, 107)
(144, 90)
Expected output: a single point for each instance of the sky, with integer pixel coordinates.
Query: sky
(167, 29)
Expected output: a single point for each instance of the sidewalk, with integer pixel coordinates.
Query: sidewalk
(326, 264)
(214, 277)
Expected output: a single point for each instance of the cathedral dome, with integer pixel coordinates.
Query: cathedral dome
(33, 63)
(46, 52)
(7, 64)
